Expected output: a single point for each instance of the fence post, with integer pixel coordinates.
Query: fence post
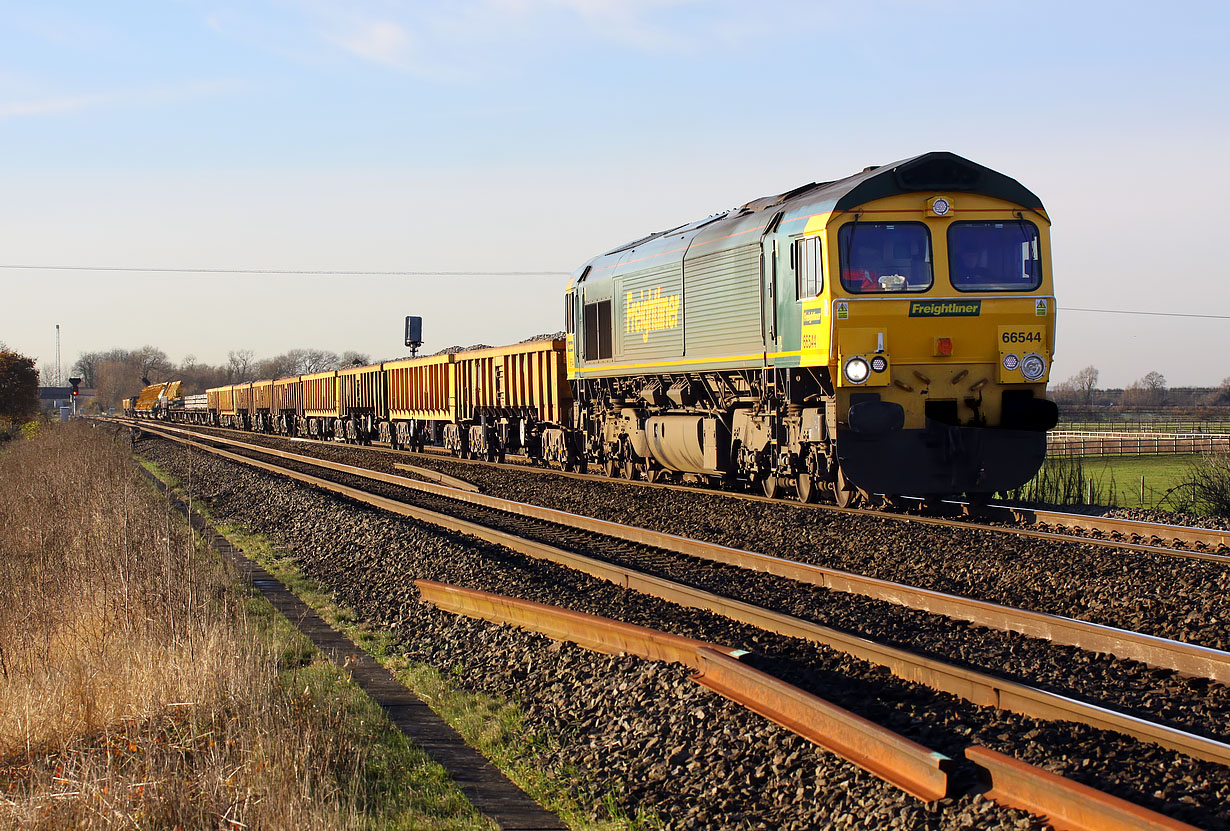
(1142, 490)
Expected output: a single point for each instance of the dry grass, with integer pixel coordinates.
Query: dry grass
(141, 688)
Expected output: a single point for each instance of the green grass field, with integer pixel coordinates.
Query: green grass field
(1114, 481)
(1119, 479)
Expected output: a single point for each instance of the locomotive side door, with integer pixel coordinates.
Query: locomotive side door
(774, 277)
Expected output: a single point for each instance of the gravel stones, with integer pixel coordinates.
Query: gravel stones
(370, 560)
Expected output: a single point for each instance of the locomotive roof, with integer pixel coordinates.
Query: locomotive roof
(930, 172)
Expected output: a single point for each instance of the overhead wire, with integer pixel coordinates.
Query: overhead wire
(286, 271)
(363, 273)
(1152, 314)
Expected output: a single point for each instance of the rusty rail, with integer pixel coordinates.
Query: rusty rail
(1067, 805)
(915, 769)
(971, 685)
(599, 634)
(919, 771)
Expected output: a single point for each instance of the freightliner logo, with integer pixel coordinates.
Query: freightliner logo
(945, 308)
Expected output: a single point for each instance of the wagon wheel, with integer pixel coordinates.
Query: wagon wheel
(806, 487)
(977, 502)
(844, 494)
(772, 486)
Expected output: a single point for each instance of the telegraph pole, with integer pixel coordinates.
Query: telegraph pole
(59, 378)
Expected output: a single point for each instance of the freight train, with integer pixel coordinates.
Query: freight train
(889, 333)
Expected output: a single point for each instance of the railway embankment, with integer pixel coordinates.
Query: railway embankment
(141, 683)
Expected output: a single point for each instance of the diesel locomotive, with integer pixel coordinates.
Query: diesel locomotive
(890, 333)
(886, 333)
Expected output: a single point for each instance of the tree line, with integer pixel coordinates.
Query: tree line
(1150, 390)
(115, 374)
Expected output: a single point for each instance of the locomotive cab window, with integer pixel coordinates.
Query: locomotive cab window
(881, 257)
(570, 319)
(598, 330)
(808, 268)
(994, 256)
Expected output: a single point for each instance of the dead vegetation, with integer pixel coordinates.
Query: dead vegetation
(141, 687)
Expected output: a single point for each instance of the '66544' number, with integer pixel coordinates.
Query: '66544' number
(1022, 337)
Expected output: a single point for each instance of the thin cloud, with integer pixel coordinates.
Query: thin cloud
(57, 104)
(379, 41)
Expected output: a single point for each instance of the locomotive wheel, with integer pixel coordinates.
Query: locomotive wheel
(772, 486)
(977, 502)
(611, 467)
(806, 487)
(844, 494)
(629, 469)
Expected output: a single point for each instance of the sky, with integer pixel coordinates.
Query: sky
(480, 150)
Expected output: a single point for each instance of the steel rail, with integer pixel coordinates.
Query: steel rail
(1185, 658)
(1067, 805)
(599, 634)
(437, 477)
(1114, 528)
(970, 685)
(917, 770)
(1120, 532)
(914, 768)
(1130, 528)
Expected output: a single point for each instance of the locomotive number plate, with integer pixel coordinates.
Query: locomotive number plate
(1020, 338)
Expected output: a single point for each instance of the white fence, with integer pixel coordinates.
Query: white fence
(1100, 443)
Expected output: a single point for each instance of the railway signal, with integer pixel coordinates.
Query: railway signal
(414, 334)
(75, 392)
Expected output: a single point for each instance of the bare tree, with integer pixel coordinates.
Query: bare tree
(316, 360)
(1222, 394)
(239, 365)
(86, 368)
(351, 358)
(1148, 391)
(151, 361)
(1085, 382)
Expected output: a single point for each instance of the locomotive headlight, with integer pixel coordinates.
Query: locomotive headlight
(1033, 367)
(857, 369)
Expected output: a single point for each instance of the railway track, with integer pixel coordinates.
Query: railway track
(1209, 544)
(531, 534)
(1138, 589)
